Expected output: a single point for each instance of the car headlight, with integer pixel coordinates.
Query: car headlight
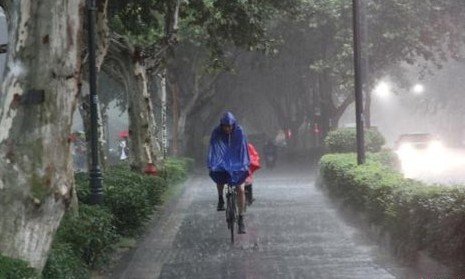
(405, 148)
(435, 146)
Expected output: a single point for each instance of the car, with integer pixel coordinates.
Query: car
(420, 154)
(421, 142)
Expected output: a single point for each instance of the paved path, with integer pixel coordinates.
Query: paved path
(293, 232)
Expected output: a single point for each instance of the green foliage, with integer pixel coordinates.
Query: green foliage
(175, 169)
(141, 21)
(418, 217)
(81, 182)
(15, 269)
(63, 262)
(344, 140)
(85, 240)
(90, 234)
(128, 195)
(386, 158)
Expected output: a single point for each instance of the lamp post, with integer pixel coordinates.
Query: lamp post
(358, 83)
(95, 174)
(418, 89)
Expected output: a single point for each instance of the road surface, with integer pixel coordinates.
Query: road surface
(293, 231)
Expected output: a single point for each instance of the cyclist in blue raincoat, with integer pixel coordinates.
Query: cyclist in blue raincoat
(229, 161)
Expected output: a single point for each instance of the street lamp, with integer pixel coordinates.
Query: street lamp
(383, 90)
(418, 89)
(95, 174)
(358, 83)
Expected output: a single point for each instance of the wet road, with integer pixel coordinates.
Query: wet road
(293, 231)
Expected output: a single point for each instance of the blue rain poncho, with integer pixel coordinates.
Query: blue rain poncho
(228, 156)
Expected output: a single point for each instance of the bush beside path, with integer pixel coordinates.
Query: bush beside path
(417, 218)
(86, 240)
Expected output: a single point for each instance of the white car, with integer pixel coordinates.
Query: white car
(420, 153)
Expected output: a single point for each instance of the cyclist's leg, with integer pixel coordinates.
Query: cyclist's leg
(220, 178)
(220, 188)
(240, 199)
(241, 208)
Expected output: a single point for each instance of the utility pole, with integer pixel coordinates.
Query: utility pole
(95, 174)
(358, 83)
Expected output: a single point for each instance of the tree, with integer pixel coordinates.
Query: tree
(147, 31)
(396, 31)
(36, 106)
(211, 33)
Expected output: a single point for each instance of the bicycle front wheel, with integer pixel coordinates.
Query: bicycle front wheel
(232, 214)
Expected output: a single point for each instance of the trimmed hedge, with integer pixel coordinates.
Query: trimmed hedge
(175, 170)
(418, 217)
(63, 262)
(344, 140)
(90, 234)
(86, 240)
(14, 269)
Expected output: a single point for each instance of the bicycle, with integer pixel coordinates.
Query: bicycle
(231, 209)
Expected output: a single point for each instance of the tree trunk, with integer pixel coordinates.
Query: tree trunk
(141, 120)
(164, 118)
(181, 130)
(36, 175)
(326, 102)
(123, 64)
(339, 111)
(175, 104)
(367, 111)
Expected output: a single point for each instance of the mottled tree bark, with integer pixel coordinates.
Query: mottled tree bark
(123, 64)
(36, 175)
(141, 120)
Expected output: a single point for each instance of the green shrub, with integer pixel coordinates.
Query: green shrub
(63, 262)
(129, 200)
(128, 195)
(81, 181)
(386, 158)
(418, 217)
(16, 269)
(158, 187)
(344, 140)
(90, 234)
(175, 170)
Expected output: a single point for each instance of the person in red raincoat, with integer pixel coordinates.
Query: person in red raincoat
(254, 166)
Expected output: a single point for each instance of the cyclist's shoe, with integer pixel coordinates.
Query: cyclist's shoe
(240, 225)
(220, 206)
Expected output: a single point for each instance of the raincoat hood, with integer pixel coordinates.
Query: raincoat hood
(228, 153)
(228, 119)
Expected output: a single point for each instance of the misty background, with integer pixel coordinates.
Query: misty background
(273, 91)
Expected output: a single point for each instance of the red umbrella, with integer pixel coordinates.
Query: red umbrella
(124, 134)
